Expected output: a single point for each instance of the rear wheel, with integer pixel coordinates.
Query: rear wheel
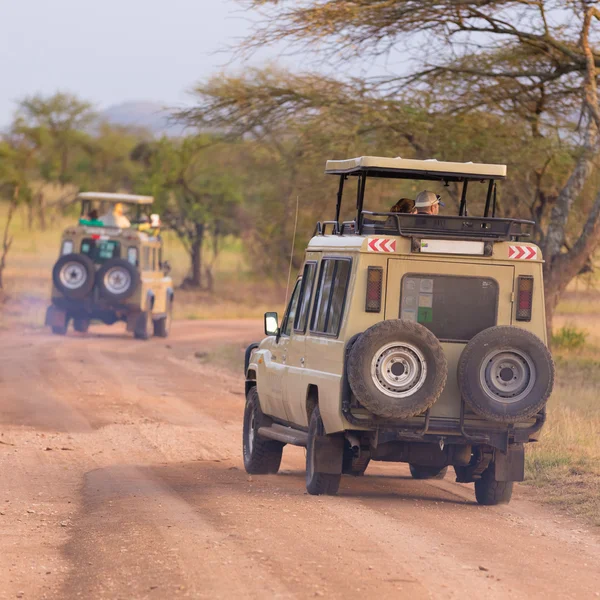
(144, 325)
(81, 325)
(162, 326)
(490, 492)
(261, 456)
(59, 329)
(318, 483)
(420, 472)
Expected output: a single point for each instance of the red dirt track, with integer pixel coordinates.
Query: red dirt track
(121, 477)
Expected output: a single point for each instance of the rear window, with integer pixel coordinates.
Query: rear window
(100, 250)
(453, 308)
(331, 296)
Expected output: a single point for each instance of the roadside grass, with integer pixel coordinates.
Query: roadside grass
(237, 293)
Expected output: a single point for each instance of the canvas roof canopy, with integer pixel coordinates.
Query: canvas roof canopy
(115, 198)
(409, 168)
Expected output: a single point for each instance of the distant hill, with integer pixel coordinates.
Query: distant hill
(147, 115)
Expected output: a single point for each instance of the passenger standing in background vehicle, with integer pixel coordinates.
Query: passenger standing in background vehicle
(116, 218)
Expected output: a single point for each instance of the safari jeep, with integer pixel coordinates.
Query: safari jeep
(408, 338)
(112, 273)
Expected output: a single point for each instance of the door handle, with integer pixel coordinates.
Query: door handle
(302, 361)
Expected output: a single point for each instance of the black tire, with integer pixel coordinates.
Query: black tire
(81, 325)
(162, 326)
(261, 456)
(144, 325)
(59, 329)
(318, 483)
(420, 472)
(117, 280)
(409, 345)
(73, 275)
(506, 374)
(489, 492)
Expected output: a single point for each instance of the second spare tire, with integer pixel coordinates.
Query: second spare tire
(506, 374)
(397, 369)
(117, 280)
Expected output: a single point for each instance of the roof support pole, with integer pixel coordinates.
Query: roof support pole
(338, 207)
(488, 199)
(463, 199)
(360, 199)
(494, 203)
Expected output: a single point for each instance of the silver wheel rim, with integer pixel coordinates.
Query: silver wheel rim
(117, 280)
(398, 369)
(507, 376)
(73, 275)
(251, 434)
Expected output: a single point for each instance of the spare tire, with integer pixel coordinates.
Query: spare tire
(506, 374)
(397, 369)
(117, 280)
(73, 275)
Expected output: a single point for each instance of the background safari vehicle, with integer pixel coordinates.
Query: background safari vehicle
(408, 337)
(112, 273)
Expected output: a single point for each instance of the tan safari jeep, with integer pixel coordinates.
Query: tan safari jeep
(408, 338)
(112, 272)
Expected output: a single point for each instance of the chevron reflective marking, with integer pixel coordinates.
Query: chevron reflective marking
(522, 252)
(381, 245)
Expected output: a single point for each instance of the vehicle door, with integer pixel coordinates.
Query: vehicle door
(273, 382)
(295, 399)
(455, 300)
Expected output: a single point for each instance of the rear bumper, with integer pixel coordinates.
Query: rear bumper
(88, 308)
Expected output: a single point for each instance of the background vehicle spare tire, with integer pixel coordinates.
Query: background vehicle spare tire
(73, 275)
(117, 280)
(506, 374)
(397, 369)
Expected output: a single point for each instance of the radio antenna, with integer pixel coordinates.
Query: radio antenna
(287, 289)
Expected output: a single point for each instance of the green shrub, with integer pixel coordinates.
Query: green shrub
(569, 338)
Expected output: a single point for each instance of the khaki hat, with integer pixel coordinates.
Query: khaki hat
(425, 199)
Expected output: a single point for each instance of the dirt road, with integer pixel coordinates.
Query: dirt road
(121, 477)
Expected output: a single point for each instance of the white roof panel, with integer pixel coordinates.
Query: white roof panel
(409, 166)
(124, 198)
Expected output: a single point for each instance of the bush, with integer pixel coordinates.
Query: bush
(569, 338)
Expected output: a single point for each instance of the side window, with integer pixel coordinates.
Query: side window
(331, 296)
(305, 295)
(291, 310)
(146, 258)
(153, 264)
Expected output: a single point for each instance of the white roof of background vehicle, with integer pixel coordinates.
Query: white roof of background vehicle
(124, 198)
(412, 168)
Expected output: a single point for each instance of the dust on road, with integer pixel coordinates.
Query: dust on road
(121, 477)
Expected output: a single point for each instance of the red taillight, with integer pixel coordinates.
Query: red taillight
(524, 297)
(374, 284)
(95, 236)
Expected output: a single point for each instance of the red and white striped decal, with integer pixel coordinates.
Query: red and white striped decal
(522, 252)
(381, 245)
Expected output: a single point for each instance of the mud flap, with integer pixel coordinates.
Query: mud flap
(510, 465)
(132, 320)
(329, 454)
(55, 317)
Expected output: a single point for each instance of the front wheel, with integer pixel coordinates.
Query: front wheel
(318, 483)
(261, 456)
(489, 492)
(162, 326)
(59, 329)
(420, 472)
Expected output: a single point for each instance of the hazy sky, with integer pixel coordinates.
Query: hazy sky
(110, 51)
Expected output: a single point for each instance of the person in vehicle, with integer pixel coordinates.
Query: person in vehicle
(91, 219)
(115, 217)
(428, 203)
(404, 205)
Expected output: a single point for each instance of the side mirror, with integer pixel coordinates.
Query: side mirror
(166, 267)
(271, 323)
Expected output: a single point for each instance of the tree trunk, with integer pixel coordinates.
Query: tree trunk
(6, 240)
(41, 204)
(195, 280)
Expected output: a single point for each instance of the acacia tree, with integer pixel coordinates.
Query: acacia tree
(531, 60)
(196, 192)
